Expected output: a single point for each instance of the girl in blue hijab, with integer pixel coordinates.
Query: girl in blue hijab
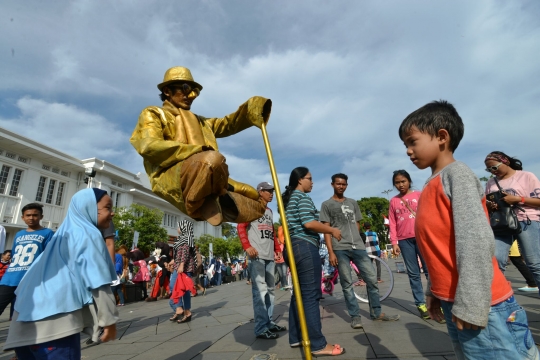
(67, 289)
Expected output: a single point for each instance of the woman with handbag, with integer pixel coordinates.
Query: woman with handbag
(518, 190)
(402, 216)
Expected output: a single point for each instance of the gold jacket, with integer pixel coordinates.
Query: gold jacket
(161, 138)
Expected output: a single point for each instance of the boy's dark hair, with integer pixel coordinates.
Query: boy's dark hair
(431, 118)
(32, 206)
(5, 252)
(339, 176)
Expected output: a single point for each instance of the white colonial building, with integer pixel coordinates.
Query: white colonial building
(33, 172)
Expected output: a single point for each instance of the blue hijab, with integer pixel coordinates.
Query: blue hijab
(75, 262)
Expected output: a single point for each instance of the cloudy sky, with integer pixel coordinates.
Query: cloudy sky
(341, 75)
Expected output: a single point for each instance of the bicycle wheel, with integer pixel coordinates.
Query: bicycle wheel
(386, 284)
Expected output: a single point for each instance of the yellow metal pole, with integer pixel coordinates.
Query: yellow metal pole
(292, 264)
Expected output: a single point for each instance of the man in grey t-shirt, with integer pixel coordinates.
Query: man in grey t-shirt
(343, 213)
(260, 243)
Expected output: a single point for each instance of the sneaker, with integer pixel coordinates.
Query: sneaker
(528, 288)
(277, 328)
(384, 317)
(267, 335)
(422, 309)
(356, 323)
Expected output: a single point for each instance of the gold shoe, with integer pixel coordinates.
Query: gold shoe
(243, 189)
(239, 209)
(211, 211)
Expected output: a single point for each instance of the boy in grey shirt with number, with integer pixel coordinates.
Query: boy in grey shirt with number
(343, 213)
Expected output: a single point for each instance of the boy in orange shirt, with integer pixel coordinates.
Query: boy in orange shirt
(484, 320)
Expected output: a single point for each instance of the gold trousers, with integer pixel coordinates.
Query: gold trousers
(206, 174)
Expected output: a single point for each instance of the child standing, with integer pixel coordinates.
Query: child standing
(67, 289)
(28, 245)
(484, 320)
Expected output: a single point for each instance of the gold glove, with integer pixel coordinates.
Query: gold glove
(244, 189)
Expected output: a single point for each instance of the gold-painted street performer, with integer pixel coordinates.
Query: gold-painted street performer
(181, 155)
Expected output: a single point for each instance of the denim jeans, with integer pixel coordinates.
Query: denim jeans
(262, 290)
(308, 267)
(185, 301)
(174, 275)
(363, 263)
(282, 271)
(529, 245)
(409, 250)
(68, 348)
(118, 290)
(217, 277)
(506, 336)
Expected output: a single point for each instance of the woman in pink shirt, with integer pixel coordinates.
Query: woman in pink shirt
(402, 215)
(522, 189)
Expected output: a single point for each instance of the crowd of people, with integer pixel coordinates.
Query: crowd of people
(444, 229)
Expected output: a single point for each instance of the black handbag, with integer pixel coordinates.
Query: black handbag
(504, 220)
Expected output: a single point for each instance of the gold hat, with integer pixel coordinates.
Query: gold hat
(178, 73)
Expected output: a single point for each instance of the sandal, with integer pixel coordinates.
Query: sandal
(336, 350)
(184, 319)
(176, 316)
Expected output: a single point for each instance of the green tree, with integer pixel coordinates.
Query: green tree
(204, 244)
(234, 246)
(372, 209)
(143, 219)
(228, 230)
(222, 247)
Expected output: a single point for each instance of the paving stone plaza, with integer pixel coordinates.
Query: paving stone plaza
(222, 328)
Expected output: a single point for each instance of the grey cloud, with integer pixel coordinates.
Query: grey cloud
(341, 75)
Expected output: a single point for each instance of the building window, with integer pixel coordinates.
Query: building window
(41, 188)
(15, 182)
(60, 194)
(3, 178)
(115, 197)
(50, 191)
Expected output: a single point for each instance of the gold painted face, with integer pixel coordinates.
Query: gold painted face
(181, 95)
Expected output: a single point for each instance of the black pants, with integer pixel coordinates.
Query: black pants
(7, 295)
(523, 269)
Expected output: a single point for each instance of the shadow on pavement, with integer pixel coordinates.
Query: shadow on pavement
(191, 352)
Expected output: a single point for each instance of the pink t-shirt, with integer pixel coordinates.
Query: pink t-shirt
(522, 183)
(401, 219)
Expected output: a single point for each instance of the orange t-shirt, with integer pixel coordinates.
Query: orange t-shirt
(457, 243)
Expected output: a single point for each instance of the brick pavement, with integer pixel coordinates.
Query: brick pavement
(222, 328)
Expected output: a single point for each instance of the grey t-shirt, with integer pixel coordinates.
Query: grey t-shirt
(344, 216)
(110, 231)
(261, 235)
